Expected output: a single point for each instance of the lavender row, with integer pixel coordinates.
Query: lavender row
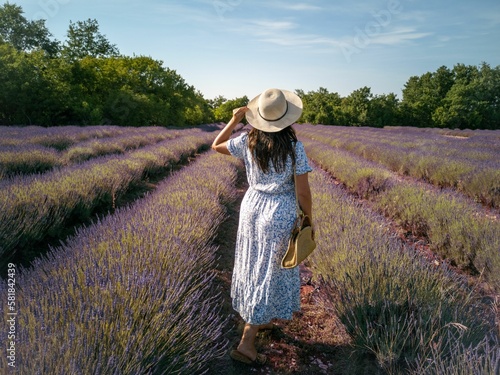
(403, 149)
(38, 207)
(480, 145)
(471, 165)
(58, 138)
(409, 314)
(27, 158)
(454, 226)
(133, 139)
(133, 293)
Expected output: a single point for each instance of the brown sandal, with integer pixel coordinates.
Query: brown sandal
(240, 357)
(266, 327)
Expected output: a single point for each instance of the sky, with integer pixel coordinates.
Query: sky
(235, 48)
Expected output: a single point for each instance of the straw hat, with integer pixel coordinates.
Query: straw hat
(274, 110)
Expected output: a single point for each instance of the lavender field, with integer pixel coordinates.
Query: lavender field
(465, 160)
(37, 206)
(132, 289)
(456, 227)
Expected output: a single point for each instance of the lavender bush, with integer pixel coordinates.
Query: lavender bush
(362, 177)
(452, 225)
(26, 159)
(481, 359)
(133, 138)
(134, 292)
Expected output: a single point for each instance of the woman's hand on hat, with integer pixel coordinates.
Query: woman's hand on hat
(239, 113)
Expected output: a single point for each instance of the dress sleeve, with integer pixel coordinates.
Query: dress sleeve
(236, 146)
(302, 164)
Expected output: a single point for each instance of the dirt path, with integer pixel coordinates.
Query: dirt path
(313, 342)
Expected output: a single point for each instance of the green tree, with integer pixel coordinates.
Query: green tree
(488, 96)
(88, 83)
(224, 112)
(134, 91)
(473, 100)
(11, 75)
(321, 107)
(423, 95)
(464, 97)
(383, 111)
(25, 35)
(216, 102)
(198, 110)
(84, 39)
(458, 109)
(34, 90)
(442, 81)
(465, 73)
(356, 107)
(419, 101)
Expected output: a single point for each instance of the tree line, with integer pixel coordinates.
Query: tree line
(465, 97)
(86, 81)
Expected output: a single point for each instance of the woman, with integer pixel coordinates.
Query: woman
(261, 289)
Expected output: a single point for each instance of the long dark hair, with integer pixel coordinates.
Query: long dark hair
(272, 148)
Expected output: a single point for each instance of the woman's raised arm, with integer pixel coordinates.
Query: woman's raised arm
(219, 143)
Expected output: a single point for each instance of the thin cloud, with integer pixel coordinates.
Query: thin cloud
(399, 36)
(302, 7)
(491, 19)
(319, 42)
(285, 33)
(416, 16)
(267, 26)
(290, 6)
(304, 41)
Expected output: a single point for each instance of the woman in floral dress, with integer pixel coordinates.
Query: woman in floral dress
(261, 289)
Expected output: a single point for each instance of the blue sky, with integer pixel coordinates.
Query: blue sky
(242, 47)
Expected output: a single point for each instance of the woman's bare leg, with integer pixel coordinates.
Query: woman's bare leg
(247, 343)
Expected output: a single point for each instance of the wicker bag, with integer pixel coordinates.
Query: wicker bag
(301, 243)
